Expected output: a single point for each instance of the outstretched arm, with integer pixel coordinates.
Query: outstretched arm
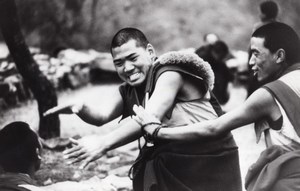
(91, 148)
(259, 105)
(92, 114)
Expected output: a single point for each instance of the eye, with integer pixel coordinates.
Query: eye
(255, 53)
(118, 64)
(134, 58)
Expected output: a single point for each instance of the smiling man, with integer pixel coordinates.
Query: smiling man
(131, 64)
(176, 88)
(274, 108)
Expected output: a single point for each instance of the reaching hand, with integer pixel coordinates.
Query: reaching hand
(65, 109)
(143, 117)
(85, 150)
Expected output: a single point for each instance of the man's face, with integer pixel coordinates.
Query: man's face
(133, 63)
(262, 61)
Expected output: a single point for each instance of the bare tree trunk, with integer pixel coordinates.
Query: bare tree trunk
(41, 88)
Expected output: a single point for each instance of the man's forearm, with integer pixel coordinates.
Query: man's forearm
(92, 116)
(127, 132)
(191, 132)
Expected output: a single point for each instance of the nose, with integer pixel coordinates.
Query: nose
(251, 60)
(128, 66)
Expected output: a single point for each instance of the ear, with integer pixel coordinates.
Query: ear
(281, 55)
(150, 49)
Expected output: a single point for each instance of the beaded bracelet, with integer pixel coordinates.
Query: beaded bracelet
(149, 137)
(155, 132)
(145, 125)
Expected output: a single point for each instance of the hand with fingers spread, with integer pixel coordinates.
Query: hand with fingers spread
(70, 108)
(85, 150)
(143, 118)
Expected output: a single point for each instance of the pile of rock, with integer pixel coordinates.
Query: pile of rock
(68, 69)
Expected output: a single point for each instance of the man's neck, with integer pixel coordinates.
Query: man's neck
(140, 92)
(292, 67)
(141, 88)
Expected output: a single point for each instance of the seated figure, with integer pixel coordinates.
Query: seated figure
(19, 156)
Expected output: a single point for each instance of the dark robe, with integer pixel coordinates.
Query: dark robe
(208, 165)
(278, 169)
(10, 181)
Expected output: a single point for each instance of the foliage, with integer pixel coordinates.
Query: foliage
(169, 24)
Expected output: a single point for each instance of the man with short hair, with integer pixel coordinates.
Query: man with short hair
(176, 89)
(274, 108)
(268, 14)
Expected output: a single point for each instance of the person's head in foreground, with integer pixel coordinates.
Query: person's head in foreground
(19, 149)
(274, 47)
(133, 55)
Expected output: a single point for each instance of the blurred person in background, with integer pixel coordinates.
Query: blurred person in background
(216, 54)
(268, 13)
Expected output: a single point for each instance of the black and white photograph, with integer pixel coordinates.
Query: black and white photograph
(149, 95)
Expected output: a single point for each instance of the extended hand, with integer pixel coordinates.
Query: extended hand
(143, 117)
(85, 150)
(65, 109)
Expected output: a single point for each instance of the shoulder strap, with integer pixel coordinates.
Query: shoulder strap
(154, 74)
(158, 69)
(288, 99)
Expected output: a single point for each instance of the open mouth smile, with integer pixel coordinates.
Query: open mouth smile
(134, 77)
(254, 71)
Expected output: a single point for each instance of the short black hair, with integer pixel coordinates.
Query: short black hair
(126, 34)
(221, 48)
(279, 35)
(269, 9)
(18, 145)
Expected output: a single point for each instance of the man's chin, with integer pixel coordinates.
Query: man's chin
(134, 84)
(259, 78)
(263, 81)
